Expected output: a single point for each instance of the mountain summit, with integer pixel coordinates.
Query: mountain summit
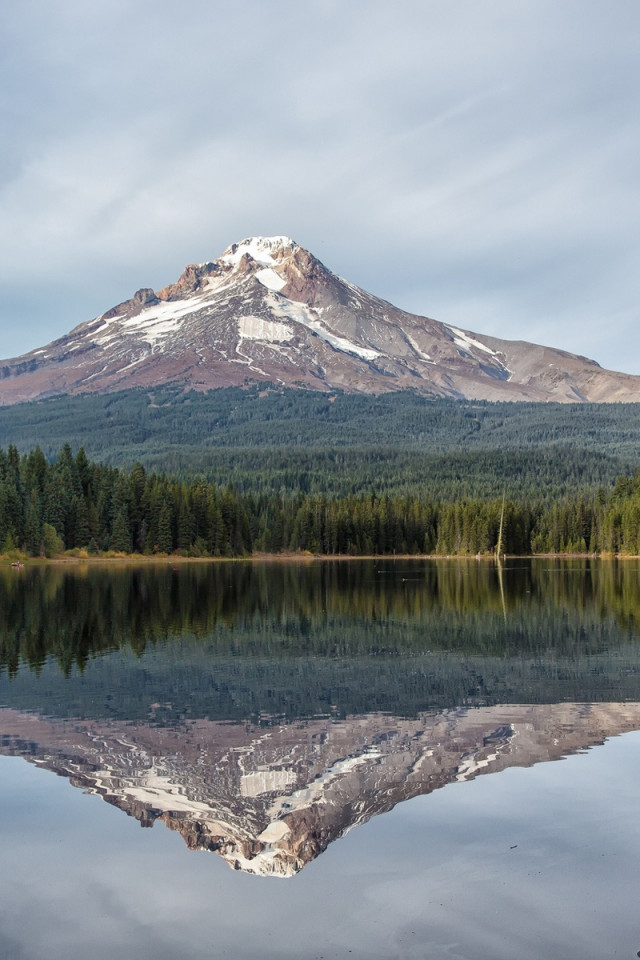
(268, 310)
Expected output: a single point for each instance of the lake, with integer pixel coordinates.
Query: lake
(359, 759)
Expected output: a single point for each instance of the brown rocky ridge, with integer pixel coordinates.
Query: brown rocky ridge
(269, 311)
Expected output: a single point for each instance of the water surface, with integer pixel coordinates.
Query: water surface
(255, 714)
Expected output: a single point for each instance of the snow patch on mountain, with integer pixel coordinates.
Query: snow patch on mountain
(464, 342)
(217, 285)
(292, 310)
(153, 324)
(421, 354)
(270, 279)
(256, 328)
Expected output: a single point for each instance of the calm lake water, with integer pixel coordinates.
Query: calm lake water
(356, 760)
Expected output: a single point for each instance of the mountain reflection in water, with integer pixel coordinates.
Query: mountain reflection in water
(269, 800)
(264, 710)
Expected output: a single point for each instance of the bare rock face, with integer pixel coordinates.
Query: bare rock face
(271, 799)
(268, 310)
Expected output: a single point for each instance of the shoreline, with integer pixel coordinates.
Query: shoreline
(293, 557)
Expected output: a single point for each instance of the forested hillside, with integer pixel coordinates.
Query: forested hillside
(292, 442)
(46, 508)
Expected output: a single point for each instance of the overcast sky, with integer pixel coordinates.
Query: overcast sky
(476, 162)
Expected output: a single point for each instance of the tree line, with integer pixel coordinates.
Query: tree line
(74, 504)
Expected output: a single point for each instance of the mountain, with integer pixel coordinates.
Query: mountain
(271, 799)
(268, 311)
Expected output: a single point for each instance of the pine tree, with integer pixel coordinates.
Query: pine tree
(165, 532)
(33, 525)
(121, 535)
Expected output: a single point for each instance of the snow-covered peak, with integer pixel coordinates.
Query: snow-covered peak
(260, 249)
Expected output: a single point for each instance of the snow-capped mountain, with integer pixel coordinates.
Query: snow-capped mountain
(268, 310)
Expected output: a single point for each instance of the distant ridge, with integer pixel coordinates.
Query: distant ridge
(268, 311)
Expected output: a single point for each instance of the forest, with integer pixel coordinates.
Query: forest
(272, 441)
(74, 504)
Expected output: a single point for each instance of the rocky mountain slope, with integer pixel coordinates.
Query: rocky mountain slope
(268, 310)
(271, 799)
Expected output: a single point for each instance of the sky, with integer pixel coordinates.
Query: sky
(475, 162)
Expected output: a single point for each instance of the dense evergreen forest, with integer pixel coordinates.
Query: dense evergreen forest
(290, 442)
(74, 504)
(127, 423)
